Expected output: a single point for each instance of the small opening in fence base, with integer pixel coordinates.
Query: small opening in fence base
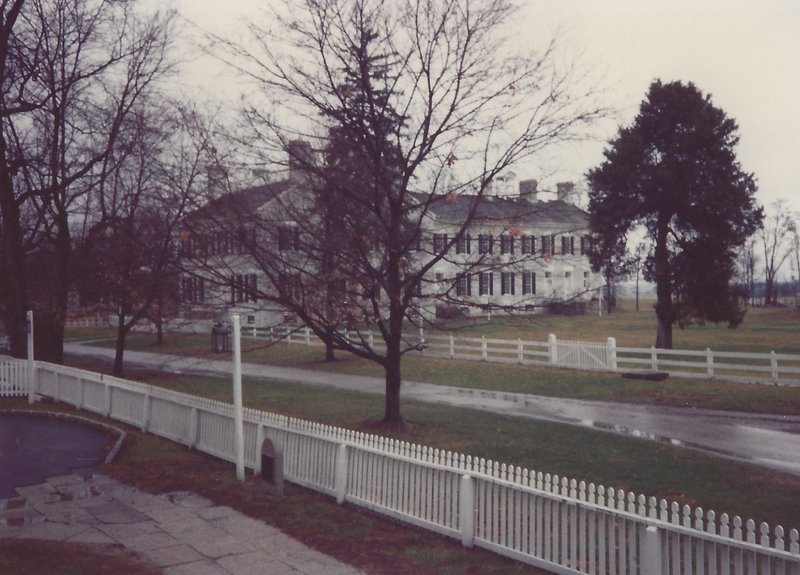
(272, 468)
(646, 375)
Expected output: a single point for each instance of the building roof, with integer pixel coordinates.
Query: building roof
(509, 210)
(242, 202)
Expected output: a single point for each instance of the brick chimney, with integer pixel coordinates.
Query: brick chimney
(565, 192)
(301, 156)
(527, 189)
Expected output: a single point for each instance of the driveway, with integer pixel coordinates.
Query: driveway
(768, 440)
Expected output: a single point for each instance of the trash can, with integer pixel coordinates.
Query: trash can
(220, 338)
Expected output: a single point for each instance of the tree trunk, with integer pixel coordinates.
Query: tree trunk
(159, 322)
(664, 311)
(122, 332)
(53, 295)
(393, 379)
(769, 292)
(391, 366)
(49, 336)
(329, 351)
(14, 277)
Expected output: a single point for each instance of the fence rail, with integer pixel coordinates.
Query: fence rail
(541, 519)
(777, 368)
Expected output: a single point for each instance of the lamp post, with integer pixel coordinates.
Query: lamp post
(237, 398)
(31, 365)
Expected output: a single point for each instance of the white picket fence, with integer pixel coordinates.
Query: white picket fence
(776, 368)
(96, 320)
(552, 522)
(13, 378)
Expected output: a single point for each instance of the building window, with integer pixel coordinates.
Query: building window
(568, 245)
(242, 240)
(507, 244)
(528, 283)
(567, 275)
(439, 243)
(486, 283)
(528, 244)
(586, 245)
(288, 238)
(547, 245)
(186, 245)
(485, 242)
(290, 286)
(547, 275)
(193, 290)
(586, 279)
(463, 244)
(464, 285)
(439, 276)
(244, 288)
(507, 283)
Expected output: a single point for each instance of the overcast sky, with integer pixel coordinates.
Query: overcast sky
(745, 53)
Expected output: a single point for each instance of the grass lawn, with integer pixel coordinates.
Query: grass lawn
(763, 329)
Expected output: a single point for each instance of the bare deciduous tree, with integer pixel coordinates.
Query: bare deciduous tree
(76, 71)
(776, 234)
(412, 105)
(129, 254)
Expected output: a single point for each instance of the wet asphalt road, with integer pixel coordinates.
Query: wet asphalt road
(768, 440)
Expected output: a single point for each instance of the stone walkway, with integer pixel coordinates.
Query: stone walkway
(182, 533)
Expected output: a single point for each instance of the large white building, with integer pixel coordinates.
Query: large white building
(520, 253)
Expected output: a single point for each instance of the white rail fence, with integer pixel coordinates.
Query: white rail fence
(541, 519)
(780, 368)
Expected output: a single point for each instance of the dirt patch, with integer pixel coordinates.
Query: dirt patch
(26, 556)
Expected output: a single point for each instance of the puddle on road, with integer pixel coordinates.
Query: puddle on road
(622, 430)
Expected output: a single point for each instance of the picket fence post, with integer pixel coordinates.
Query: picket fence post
(484, 351)
(710, 363)
(466, 510)
(611, 345)
(307, 336)
(552, 349)
(652, 552)
(653, 358)
(520, 351)
(340, 474)
(773, 364)
(452, 347)
(194, 420)
(259, 441)
(106, 399)
(146, 413)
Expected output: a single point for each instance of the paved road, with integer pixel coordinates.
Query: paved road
(769, 440)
